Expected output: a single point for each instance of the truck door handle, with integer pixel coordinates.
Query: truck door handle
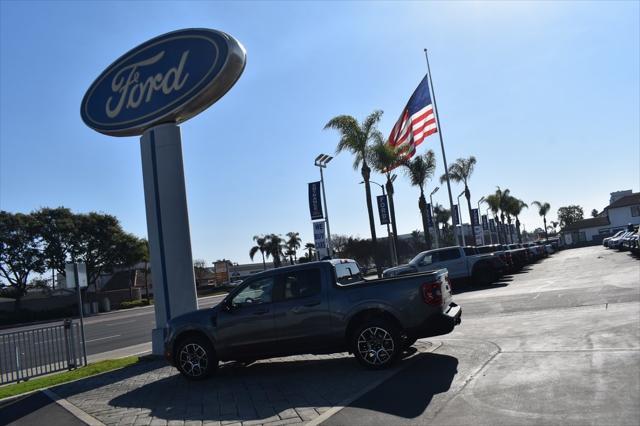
(261, 312)
(299, 309)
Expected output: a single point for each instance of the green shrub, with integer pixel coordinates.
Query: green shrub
(135, 303)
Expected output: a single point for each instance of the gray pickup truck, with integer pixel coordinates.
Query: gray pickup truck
(318, 307)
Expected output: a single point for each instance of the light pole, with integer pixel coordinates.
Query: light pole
(392, 248)
(321, 162)
(479, 218)
(433, 218)
(490, 232)
(464, 243)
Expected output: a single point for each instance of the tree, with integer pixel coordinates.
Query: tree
(57, 228)
(274, 248)
(493, 201)
(310, 247)
(504, 196)
(594, 213)
(261, 246)
(515, 207)
(543, 209)
(293, 244)
(570, 214)
(199, 269)
(384, 158)
(420, 170)
(461, 171)
(356, 138)
(21, 252)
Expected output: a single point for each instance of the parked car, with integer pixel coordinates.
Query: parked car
(630, 242)
(521, 256)
(615, 242)
(500, 251)
(317, 307)
(462, 263)
(605, 242)
(625, 240)
(634, 244)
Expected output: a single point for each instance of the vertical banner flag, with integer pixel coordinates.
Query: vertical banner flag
(315, 202)
(474, 217)
(492, 225)
(454, 215)
(429, 216)
(319, 238)
(383, 210)
(416, 122)
(485, 222)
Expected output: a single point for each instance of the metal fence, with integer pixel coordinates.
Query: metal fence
(39, 351)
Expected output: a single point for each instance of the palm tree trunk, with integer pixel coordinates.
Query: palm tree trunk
(264, 264)
(518, 230)
(422, 205)
(366, 174)
(546, 236)
(467, 194)
(510, 231)
(392, 209)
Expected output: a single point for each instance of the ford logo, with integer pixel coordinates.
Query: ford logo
(168, 79)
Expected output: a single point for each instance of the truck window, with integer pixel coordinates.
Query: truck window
(428, 259)
(347, 273)
(450, 254)
(298, 284)
(258, 291)
(470, 251)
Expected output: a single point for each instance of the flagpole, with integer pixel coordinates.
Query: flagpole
(444, 156)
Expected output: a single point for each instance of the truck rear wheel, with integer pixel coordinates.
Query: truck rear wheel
(376, 344)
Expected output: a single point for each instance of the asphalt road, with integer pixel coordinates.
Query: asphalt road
(120, 333)
(556, 344)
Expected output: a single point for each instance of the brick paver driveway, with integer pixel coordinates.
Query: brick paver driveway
(277, 391)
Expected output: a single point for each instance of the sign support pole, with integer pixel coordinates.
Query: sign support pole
(326, 214)
(174, 289)
(80, 308)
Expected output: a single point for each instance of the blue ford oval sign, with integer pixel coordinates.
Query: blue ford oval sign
(168, 79)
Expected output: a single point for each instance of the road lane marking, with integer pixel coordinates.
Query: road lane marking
(103, 338)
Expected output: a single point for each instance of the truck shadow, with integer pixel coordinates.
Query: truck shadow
(459, 288)
(282, 389)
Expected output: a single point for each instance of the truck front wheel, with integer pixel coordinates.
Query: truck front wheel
(376, 344)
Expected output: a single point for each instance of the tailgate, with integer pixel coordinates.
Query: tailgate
(445, 287)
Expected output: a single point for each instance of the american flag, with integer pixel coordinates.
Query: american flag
(416, 122)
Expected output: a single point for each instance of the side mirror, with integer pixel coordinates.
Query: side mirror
(227, 305)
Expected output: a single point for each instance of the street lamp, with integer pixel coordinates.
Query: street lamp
(431, 207)
(481, 228)
(464, 243)
(490, 232)
(392, 248)
(321, 162)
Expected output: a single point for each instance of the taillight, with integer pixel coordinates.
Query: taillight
(432, 294)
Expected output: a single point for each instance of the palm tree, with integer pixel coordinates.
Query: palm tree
(441, 215)
(503, 196)
(543, 209)
(261, 246)
(355, 138)
(310, 247)
(384, 158)
(493, 201)
(515, 208)
(274, 247)
(293, 244)
(461, 171)
(420, 170)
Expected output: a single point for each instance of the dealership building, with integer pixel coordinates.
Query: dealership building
(623, 209)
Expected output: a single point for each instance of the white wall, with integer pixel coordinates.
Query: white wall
(622, 216)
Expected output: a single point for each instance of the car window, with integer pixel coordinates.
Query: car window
(427, 260)
(298, 284)
(256, 292)
(347, 273)
(450, 254)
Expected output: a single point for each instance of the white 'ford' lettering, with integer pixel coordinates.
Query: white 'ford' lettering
(126, 83)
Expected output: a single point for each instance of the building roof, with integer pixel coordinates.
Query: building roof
(587, 223)
(627, 200)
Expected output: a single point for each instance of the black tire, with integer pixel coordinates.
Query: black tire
(484, 275)
(195, 357)
(376, 344)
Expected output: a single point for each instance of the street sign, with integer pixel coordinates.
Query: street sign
(383, 209)
(319, 239)
(315, 201)
(454, 215)
(474, 217)
(429, 216)
(167, 79)
(70, 275)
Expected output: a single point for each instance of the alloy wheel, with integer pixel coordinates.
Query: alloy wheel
(193, 360)
(375, 346)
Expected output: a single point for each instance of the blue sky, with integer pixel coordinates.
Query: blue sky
(546, 95)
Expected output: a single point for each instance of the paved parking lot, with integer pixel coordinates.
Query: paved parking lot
(558, 343)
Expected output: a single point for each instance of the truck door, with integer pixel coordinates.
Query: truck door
(301, 311)
(454, 262)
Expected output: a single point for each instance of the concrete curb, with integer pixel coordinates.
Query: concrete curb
(81, 415)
